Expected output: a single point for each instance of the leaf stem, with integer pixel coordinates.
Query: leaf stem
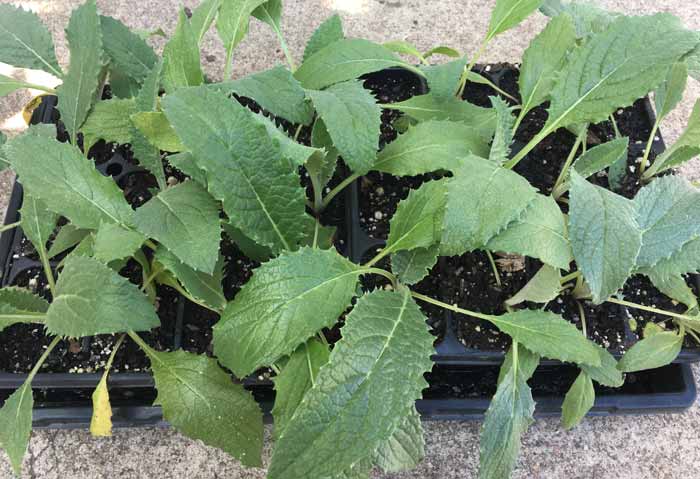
(175, 285)
(582, 313)
(340, 187)
(647, 150)
(570, 276)
(229, 64)
(9, 226)
(494, 268)
(142, 344)
(650, 309)
(567, 164)
(468, 68)
(42, 358)
(614, 125)
(451, 307)
(113, 354)
(382, 253)
(381, 272)
(48, 272)
(531, 145)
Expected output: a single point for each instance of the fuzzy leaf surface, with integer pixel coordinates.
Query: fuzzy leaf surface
(668, 216)
(185, 219)
(157, 130)
(203, 16)
(686, 147)
(232, 22)
(297, 376)
(203, 287)
(296, 153)
(109, 120)
(443, 79)
(67, 182)
(385, 334)
(503, 135)
(19, 305)
(542, 288)
(353, 119)
(549, 335)
(25, 42)
(652, 352)
(602, 156)
(127, 51)
(37, 221)
(345, 60)
(418, 219)
(482, 202)
(670, 92)
(16, 425)
(330, 31)
(77, 92)
(113, 242)
(260, 194)
(67, 237)
(92, 299)
(181, 64)
(9, 85)
(604, 234)
(543, 60)
(508, 13)
(200, 400)
(607, 373)
(588, 18)
(429, 146)
(414, 265)
(616, 67)
(539, 233)
(578, 401)
(287, 300)
(405, 449)
(275, 90)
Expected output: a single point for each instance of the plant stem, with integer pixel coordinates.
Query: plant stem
(296, 133)
(175, 285)
(519, 120)
(382, 253)
(647, 150)
(472, 62)
(285, 49)
(151, 244)
(151, 277)
(570, 276)
(340, 187)
(650, 309)
(229, 64)
(316, 228)
(48, 272)
(582, 313)
(10, 226)
(142, 344)
(567, 164)
(614, 124)
(494, 268)
(38, 318)
(381, 272)
(451, 307)
(119, 342)
(531, 145)
(42, 358)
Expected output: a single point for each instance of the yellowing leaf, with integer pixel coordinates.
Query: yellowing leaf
(101, 423)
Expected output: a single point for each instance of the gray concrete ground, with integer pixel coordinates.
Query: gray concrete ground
(621, 447)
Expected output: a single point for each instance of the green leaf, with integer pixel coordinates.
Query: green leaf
(79, 88)
(443, 80)
(692, 59)
(128, 53)
(206, 288)
(68, 182)
(604, 234)
(414, 265)
(607, 373)
(668, 215)
(322, 167)
(508, 13)
(353, 119)
(261, 195)
(298, 375)
(503, 136)
(539, 233)
(16, 423)
(686, 147)
(616, 67)
(181, 64)
(186, 163)
(68, 236)
(481, 203)
(549, 335)
(84, 249)
(527, 363)
(667, 273)
(403, 47)
(276, 91)
(430, 146)
(92, 299)
(270, 13)
(388, 331)
(602, 156)
(330, 31)
(203, 16)
(9, 85)
(109, 120)
(146, 154)
(37, 221)
(405, 449)
(429, 107)
(442, 50)
(578, 401)
(418, 219)
(345, 60)
(674, 286)
(25, 42)
(250, 248)
(543, 60)
(588, 18)
(113, 242)
(652, 352)
(200, 400)
(232, 23)
(19, 305)
(287, 300)
(542, 288)
(296, 153)
(670, 92)
(185, 219)
(157, 130)
(507, 418)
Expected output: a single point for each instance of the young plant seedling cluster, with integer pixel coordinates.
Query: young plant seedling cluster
(343, 409)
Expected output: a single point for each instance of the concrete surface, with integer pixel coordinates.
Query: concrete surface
(622, 447)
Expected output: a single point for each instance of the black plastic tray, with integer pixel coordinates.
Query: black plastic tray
(63, 400)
